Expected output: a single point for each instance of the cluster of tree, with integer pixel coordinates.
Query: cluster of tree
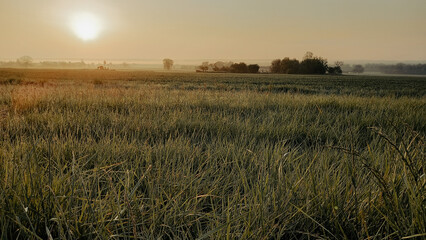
(215, 67)
(168, 63)
(228, 67)
(400, 68)
(309, 65)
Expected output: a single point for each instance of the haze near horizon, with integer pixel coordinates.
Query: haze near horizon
(369, 30)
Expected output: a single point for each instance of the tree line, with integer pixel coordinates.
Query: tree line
(309, 65)
(228, 67)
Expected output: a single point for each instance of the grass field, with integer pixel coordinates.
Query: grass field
(108, 154)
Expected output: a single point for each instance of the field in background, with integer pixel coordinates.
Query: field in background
(111, 154)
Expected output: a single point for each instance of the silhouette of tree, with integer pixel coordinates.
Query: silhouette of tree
(219, 66)
(167, 63)
(289, 66)
(315, 65)
(310, 65)
(358, 69)
(276, 66)
(337, 70)
(229, 67)
(253, 68)
(239, 68)
(204, 66)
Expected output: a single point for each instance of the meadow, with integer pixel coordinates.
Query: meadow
(87, 154)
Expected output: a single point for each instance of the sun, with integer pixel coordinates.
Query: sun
(85, 25)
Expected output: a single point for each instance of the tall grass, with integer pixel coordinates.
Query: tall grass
(185, 156)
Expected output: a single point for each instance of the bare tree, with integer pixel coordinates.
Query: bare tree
(168, 63)
(339, 63)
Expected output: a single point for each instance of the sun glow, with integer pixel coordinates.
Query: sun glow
(86, 26)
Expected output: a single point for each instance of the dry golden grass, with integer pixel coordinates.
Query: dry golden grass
(27, 97)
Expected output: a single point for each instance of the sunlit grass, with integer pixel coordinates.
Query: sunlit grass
(155, 155)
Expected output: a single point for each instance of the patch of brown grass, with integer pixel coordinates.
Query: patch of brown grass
(24, 98)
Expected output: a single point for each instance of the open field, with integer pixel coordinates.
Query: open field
(108, 154)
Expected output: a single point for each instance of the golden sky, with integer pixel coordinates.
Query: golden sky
(214, 29)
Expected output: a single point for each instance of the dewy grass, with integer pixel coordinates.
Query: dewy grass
(92, 155)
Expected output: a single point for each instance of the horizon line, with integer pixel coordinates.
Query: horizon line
(207, 59)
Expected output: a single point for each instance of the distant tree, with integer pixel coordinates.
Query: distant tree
(219, 66)
(227, 66)
(358, 69)
(276, 66)
(239, 68)
(204, 66)
(253, 68)
(337, 70)
(314, 65)
(25, 61)
(339, 63)
(167, 63)
(289, 66)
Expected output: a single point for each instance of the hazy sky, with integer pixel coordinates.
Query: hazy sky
(216, 29)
